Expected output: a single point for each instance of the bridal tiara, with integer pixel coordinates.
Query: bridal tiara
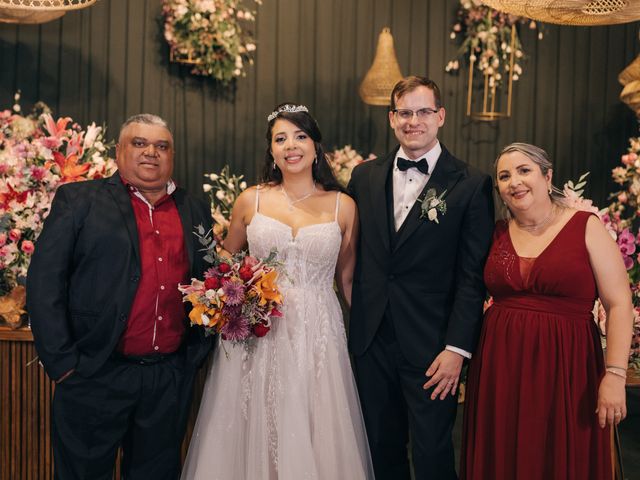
(287, 109)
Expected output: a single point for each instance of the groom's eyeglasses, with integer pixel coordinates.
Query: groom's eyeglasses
(422, 113)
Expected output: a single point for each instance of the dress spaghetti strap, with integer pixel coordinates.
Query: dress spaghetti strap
(337, 206)
(257, 197)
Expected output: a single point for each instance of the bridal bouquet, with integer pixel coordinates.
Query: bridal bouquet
(239, 295)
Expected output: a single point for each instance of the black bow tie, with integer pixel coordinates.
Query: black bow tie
(404, 165)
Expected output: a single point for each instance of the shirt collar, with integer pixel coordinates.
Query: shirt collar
(171, 187)
(431, 156)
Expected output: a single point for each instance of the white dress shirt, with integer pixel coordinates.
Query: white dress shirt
(407, 186)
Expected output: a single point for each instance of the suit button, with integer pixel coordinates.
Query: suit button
(123, 318)
(392, 276)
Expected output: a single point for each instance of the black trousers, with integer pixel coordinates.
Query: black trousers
(142, 408)
(394, 404)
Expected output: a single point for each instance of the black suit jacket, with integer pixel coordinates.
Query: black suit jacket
(85, 271)
(431, 279)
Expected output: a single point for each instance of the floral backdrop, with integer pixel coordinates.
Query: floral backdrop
(37, 154)
(622, 219)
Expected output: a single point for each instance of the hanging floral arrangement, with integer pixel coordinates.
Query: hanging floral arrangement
(210, 36)
(486, 40)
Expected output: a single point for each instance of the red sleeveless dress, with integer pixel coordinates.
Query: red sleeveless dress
(533, 382)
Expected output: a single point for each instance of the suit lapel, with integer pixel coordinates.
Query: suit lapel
(119, 193)
(445, 176)
(377, 194)
(187, 222)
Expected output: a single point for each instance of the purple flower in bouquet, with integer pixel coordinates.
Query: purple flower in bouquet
(237, 327)
(234, 293)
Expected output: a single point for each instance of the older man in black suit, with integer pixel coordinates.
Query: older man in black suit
(108, 321)
(418, 289)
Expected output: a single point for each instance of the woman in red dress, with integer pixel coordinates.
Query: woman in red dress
(541, 398)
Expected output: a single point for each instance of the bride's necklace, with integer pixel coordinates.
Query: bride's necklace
(297, 200)
(534, 227)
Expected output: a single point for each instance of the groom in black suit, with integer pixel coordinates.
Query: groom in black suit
(108, 321)
(426, 220)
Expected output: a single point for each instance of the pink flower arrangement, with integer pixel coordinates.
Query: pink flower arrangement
(622, 219)
(37, 154)
(343, 161)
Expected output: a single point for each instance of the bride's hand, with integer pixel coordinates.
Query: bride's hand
(612, 407)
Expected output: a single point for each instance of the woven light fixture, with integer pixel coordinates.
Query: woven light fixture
(571, 12)
(384, 73)
(38, 11)
(629, 78)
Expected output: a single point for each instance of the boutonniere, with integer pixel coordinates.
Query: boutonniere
(432, 205)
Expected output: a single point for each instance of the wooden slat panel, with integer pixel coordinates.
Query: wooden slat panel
(25, 414)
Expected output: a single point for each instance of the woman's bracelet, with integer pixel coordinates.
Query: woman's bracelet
(614, 371)
(624, 369)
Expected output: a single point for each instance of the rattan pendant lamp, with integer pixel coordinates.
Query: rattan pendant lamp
(384, 73)
(571, 12)
(38, 11)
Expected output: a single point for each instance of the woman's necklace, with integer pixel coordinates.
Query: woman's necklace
(534, 227)
(297, 200)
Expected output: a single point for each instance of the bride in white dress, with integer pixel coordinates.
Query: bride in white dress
(289, 409)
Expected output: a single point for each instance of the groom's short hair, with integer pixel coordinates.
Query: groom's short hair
(409, 84)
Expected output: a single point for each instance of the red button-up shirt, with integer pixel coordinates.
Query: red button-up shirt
(156, 321)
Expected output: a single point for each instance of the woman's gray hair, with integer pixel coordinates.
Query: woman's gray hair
(147, 119)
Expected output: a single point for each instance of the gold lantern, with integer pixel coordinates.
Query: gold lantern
(571, 12)
(38, 11)
(491, 103)
(384, 73)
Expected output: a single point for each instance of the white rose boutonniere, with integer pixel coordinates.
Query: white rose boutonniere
(432, 205)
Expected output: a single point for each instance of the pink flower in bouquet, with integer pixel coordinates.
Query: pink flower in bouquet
(14, 234)
(27, 247)
(3, 239)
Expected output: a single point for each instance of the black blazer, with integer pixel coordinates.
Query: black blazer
(430, 280)
(85, 270)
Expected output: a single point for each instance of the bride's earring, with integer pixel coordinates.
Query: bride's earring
(274, 166)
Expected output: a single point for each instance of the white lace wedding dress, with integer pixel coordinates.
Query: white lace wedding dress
(288, 410)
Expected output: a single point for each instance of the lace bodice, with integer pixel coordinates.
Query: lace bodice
(309, 258)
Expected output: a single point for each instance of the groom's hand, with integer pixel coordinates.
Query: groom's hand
(444, 373)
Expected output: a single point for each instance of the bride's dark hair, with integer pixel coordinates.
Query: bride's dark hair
(321, 170)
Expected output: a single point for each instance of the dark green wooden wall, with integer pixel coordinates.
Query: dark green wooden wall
(110, 61)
